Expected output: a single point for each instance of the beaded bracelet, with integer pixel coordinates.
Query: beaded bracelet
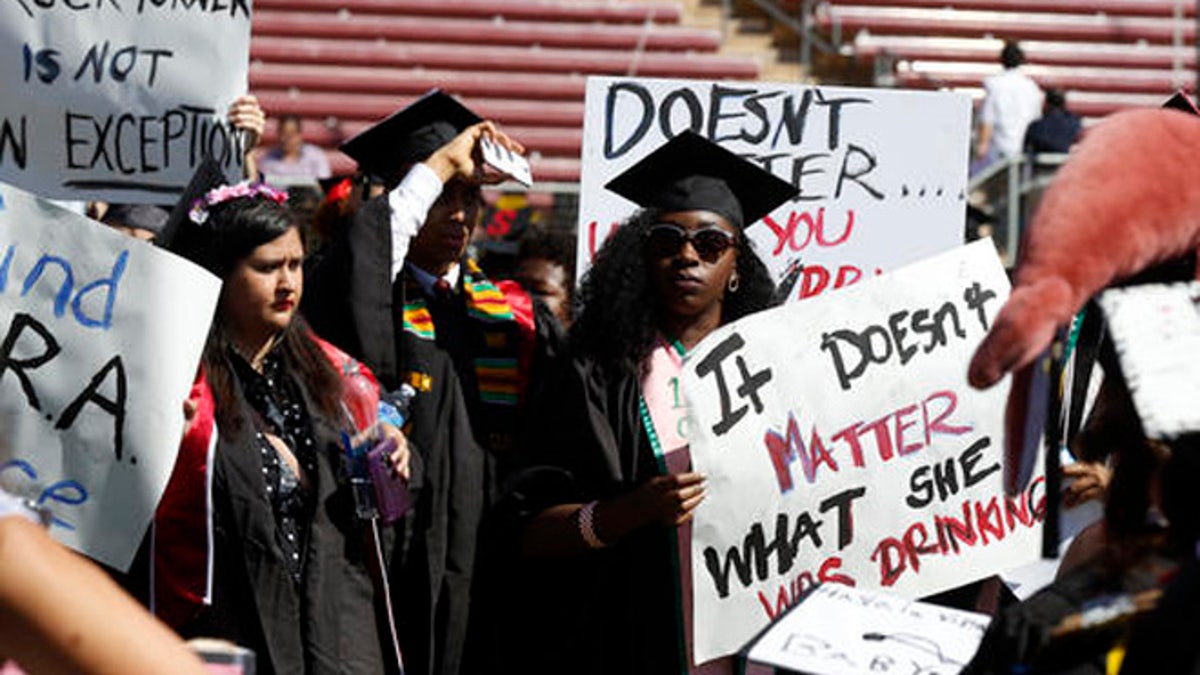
(587, 526)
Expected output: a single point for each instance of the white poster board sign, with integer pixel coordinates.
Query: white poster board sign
(119, 100)
(1156, 331)
(882, 173)
(838, 630)
(842, 444)
(102, 335)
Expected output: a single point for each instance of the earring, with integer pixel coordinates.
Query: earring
(734, 282)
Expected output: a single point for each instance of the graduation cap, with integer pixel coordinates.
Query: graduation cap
(1181, 102)
(691, 173)
(410, 135)
(139, 216)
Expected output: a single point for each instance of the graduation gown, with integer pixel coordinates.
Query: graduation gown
(613, 610)
(328, 623)
(1019, 640)
(353, 302)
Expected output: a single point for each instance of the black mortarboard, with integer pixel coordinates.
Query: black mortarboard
(410, 135)
(141, 216)
(1180, 101)
(691, 173)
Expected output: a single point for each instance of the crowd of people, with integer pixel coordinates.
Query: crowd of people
(529, 421)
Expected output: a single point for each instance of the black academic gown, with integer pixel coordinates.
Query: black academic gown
(1019, 637)
(330, 623)
(613, 610)
(433, 575)
(348, 295)
(353, 302)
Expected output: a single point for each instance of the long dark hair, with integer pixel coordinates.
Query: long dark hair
(233, 230)
(617, 314)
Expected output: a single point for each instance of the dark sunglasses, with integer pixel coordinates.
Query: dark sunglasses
(664, 240)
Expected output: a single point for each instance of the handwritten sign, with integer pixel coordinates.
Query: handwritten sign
(847, 631)
(102, 335)
(119, 100)
(1156, 331)
(882, 174)
(842, 444)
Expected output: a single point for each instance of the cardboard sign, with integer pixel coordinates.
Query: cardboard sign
(842, 444)
(838, 630)
(119, 100)
(1156, 331)
(882, 173)
(102, 334)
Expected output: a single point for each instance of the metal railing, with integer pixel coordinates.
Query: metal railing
(1012, 186)
(802, 24)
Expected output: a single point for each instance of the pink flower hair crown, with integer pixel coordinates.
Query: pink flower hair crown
(199, 211)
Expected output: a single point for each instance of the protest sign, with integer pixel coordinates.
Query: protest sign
(119, 100)
(847, 631)
(882, 173)
(1156, 331)
(842, 444)
(102, 337)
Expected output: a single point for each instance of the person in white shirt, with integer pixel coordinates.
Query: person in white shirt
(1012, 101)
(396, 290)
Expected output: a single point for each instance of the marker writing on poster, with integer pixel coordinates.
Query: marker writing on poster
(14, 141)
(734, 113)
(144, 144)
(879, 343)
(898, 433)
(102, 62)
(984, 521)
(752, 563)
(61, 492)
(748, 388)
(233, 9)
(29, 344)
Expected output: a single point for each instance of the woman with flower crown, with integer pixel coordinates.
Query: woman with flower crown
(290, 558)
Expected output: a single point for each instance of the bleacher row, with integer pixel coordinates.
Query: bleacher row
(342, 64)
(1108, 54)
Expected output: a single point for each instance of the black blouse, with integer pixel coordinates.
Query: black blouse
(279, 410)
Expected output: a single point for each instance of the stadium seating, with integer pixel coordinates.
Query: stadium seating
(1107, 54)
(343, 64)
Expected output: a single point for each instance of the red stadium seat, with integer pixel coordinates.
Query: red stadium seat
(521, 10)
(1107, 54)
(483, 32)
(1144, 8)
(546, 141)
(413, 81)
(545, 169)
(1016, 25)
(342, 64)
(1099, 55)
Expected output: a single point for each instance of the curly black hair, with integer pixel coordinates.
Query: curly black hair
(616, 307)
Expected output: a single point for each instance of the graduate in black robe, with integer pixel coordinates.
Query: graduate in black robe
(597, 513)
(396, 290)
(292, 572)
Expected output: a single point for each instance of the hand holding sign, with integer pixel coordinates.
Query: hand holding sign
(669, 500)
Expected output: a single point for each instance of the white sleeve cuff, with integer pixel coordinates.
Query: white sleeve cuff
(418, 191)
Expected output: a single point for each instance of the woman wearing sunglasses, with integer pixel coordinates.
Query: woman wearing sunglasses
(604, 514)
